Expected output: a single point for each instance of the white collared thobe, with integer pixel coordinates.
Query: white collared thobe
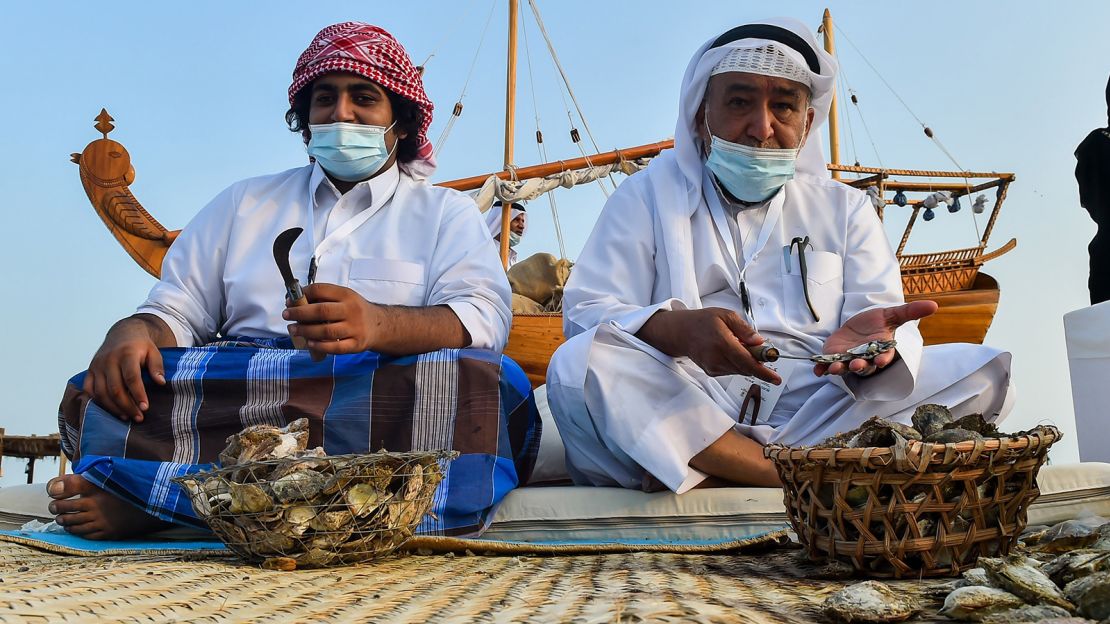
(392, 239)
(626, 411)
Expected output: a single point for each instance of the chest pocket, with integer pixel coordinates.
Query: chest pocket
(389, 282)
(825, 283)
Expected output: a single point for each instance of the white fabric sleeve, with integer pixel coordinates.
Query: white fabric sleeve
(467, 276)
(872, 279)
(189, 297)
(614, 277)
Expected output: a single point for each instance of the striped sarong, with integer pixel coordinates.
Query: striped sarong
(474, 401)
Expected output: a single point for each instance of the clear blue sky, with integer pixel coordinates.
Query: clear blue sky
(198, 93)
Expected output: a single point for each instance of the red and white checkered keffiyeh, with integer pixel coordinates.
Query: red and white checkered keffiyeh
(373, 53)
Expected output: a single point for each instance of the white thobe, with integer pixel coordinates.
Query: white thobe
(626, 410)
(392, 239)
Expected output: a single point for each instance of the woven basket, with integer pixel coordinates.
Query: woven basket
(314, 512)
(914, 509)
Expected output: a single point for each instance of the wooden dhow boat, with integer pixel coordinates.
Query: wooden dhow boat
(968, 299)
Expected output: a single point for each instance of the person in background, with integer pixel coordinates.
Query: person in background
(1092, 172)
(518, 223)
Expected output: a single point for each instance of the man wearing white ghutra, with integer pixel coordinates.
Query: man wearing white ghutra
(734, 238)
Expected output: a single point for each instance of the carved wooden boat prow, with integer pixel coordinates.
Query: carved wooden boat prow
(106, 174)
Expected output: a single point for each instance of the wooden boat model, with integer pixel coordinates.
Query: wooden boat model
(968, 299)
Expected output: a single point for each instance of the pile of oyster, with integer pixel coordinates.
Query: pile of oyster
(1064, 574)
(864, 507)
(287, 506)
(931, 423)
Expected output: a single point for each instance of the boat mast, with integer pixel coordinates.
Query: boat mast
(834, 131)
(510, 124)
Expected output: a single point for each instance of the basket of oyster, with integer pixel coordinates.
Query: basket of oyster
(274, 501)
(899, 501)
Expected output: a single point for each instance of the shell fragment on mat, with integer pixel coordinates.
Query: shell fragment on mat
(869, 601)
(975, 602)
(1014, 574)
(1070, 534)
(977, 576)
(1076, 564)
(1091, 595)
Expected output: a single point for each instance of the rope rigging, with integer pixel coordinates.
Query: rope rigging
(953, 207)
(457, 111)
(566, 83)
(539, 141)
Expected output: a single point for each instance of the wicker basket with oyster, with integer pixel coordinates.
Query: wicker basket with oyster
(276, 502)
(894, 500)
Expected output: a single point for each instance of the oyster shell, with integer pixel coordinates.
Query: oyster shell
(301, 485)
(1028, 613)
(952, 436)
(315, 558)
(271, 543)
(331, 539)
(976, 423)
(1091, 594)
(869, 601)
(332, 520)
(414, 484)
(977, 576)
(1076, 564)
(403, 513)
(259, 442)
(1014, 574)
(1070, 534)
(975, 602)
(299, 519)
(364, 498)
(1102, 541)
(284, 564)
(248, 498)
(879, 432)
(930, 418)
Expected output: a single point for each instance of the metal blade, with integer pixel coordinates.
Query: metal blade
(282, 244)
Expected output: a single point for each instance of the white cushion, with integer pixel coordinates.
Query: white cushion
(22, 503)
(551, 464)
(1070, 491)
(578, 514)
(601, 515)
(1088, 341)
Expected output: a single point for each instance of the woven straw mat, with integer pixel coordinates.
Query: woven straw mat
(635, 587)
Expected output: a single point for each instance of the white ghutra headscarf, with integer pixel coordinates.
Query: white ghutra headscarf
(676, 175)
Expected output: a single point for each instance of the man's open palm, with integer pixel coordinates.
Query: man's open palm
(874, 324)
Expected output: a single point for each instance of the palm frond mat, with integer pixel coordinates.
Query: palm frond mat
(774, 586)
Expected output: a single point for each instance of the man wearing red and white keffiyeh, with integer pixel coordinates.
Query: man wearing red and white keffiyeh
(394, 267)
(372, 53)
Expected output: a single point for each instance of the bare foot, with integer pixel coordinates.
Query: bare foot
(83, 509)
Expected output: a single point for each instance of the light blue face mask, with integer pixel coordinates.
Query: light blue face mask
(349, 152)
(514, 239)
(751, 174)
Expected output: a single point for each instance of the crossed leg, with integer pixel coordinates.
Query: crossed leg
(84, 509)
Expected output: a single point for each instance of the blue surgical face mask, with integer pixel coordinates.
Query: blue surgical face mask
(514, 239)
(349, 152)
(751, 174)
